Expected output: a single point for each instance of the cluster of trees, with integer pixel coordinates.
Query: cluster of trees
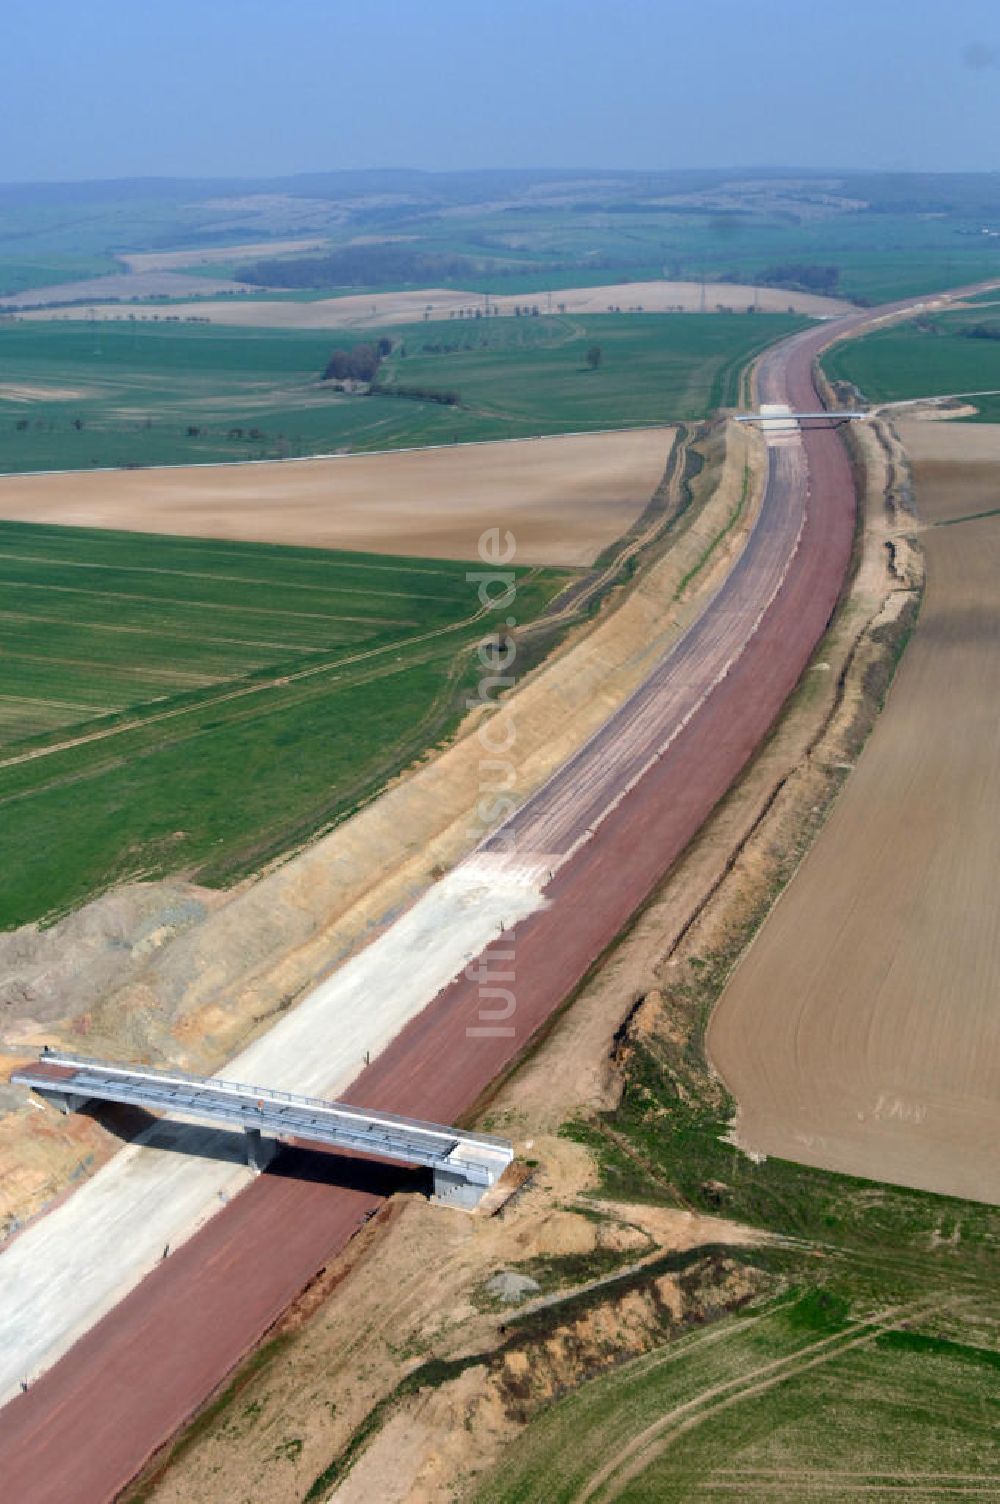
(803, 276)
(45, 426)
(473, 313)
(982, 331)
(357, 362)
(385, 265)
(192, 430)
(361, 363)
(520, 311)
(391, 264)
(447, 397)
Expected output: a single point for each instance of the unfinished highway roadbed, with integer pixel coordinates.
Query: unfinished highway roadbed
(444, 1000)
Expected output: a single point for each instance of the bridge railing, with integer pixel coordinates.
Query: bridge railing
(253, 1092)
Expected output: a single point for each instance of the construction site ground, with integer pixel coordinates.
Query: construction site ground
(175, 973)
(310, 1415)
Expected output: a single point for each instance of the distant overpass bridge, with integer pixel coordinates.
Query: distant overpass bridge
(464, 1165)
(778, 417)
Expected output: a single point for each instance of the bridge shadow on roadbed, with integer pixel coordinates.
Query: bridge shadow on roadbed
(292, 1162)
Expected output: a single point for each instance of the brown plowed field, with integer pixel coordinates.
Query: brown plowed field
(565, 498)
(956, 467)
(862, 1032)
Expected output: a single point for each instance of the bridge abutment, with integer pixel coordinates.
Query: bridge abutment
(452, 1189)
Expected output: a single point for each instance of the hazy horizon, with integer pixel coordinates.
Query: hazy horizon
(737, 169)
(246, 90)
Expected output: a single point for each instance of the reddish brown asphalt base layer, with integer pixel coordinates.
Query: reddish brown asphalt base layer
(88, 1425)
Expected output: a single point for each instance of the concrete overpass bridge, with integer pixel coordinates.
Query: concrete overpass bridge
(464, 1165)
(778, 417)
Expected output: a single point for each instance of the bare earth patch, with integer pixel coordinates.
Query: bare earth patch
(13, 391)
(565, 498)
(860, 1033)
(957, 467)
(172, 261)
(126, 286)
(369, 310)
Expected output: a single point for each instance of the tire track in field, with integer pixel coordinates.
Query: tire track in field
(131, 630)
(193, 574)
(252, 713)
(636, 1456)
(175, 676)
(834, 1483)
(54, 704)
(220, 551)
(160, 601)
(278, 682)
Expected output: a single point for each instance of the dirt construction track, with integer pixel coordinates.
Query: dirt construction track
(861, 1032)
(611, 826)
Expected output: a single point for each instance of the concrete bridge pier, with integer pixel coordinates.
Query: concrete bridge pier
(260, 1150)
(452, 1189)
(65, 1101)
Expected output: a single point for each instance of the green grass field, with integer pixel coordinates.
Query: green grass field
(528, 372)
(879, 257)
(532, 246)
(142, 394)
(24, 275)
(928, 358)
(165, 394)
(793, 1402)
(888, 234)
(169, 704)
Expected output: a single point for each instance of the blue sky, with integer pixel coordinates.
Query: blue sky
(105, 88)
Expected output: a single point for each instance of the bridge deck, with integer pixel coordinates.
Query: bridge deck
(778, 412)
(478, 1159)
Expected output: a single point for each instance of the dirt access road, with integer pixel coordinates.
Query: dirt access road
(91, 1421)
(861, 1031)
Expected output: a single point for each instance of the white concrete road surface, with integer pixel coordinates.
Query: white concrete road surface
(65, 1271)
